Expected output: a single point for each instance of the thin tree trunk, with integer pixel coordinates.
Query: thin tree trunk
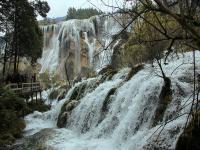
(18, 63)
(160, 66)
(5, 60)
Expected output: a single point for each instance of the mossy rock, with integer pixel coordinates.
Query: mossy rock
(62, 95)
(65, 112)
(62, 119)
(108, 72)
(41, 147)
(107, 101)
(78, 92)
(105, 70)
(133, 71)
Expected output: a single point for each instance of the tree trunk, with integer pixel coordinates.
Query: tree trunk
(5, 60)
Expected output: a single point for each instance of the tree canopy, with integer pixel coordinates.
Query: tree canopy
(84, 13)
(22, 33)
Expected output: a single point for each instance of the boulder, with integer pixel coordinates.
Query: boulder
(65, 113)
(62, 95)
(62, 119)
(71, 105)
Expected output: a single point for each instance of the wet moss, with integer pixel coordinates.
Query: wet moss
(133, 71)
(69, 105)
(107, 101)
(78, 92)
(108, 72)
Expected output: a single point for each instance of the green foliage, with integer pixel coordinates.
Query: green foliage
(41, 7)
(10, 101)
(29, 40)
(12, 109)
(133, 54)
(18, 21)
(85, 13)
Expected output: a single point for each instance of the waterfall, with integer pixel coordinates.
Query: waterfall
(76, 44)
(49, 60)
(123, 119)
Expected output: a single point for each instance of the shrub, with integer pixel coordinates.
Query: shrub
(12, 108)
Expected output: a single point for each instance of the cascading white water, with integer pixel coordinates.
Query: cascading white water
(49, 60)
(91, 47)
(128, 122)
(76, 44)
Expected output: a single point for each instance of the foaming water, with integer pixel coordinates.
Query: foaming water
(127, 121)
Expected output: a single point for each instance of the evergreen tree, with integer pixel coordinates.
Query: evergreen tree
(18, 20)
(85, 13)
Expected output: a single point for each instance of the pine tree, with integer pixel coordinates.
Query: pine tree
(18, 20)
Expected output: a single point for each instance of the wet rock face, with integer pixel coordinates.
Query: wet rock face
(66, 112)
(164, 99)
(62, 119)
(70, 104)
